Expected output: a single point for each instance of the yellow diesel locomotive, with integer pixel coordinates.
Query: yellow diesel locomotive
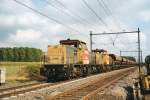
(71, 59)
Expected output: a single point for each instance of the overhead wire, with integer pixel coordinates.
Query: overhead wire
(94, 13)
(109, 11)
(74, 13)
(60, 10)
(65, 12)
(50, 18)
(99, 18)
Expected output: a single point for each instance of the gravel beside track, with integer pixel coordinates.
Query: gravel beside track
(52, 91)
(121, 90)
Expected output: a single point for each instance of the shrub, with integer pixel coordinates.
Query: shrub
(33, 72)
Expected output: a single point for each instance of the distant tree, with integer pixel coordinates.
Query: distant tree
(16, 55)
(28, 54)
(37, 55)
(4, 54)
(147, 59)
(130, 58)
(9, 54)
(20, 54)
(1, 53)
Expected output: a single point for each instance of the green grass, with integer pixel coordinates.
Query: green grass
(19, 63)
(19, 70)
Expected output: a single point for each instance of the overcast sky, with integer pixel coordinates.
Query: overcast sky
(20, 26)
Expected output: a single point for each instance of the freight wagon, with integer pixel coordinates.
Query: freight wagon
(71, 59)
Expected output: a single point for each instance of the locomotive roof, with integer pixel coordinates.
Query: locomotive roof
(99, 50)
(112, 54)
(69, 41)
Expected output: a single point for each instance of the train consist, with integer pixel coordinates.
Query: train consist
(71, 59)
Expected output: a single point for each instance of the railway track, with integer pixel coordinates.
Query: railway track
(90, 90)
(81, 91)
(13, 91)
(16, 87)
(7, 92)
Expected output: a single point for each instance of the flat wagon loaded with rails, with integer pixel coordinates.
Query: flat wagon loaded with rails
(71, 59)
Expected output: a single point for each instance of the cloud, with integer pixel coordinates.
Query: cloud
(19, 25)
(26, 36)
(7, 21)
(10, 7)
(145, 15)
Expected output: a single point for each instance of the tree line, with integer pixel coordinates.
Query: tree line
(20, 54)
(130, 58)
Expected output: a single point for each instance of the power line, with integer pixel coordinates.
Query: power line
(63, 11)
(60, 3)
(105, 5)
(107, 11)
(72, 12)
(83, 19)
(69, 12)
(101, 5)
(99, 18)
(36, 11)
